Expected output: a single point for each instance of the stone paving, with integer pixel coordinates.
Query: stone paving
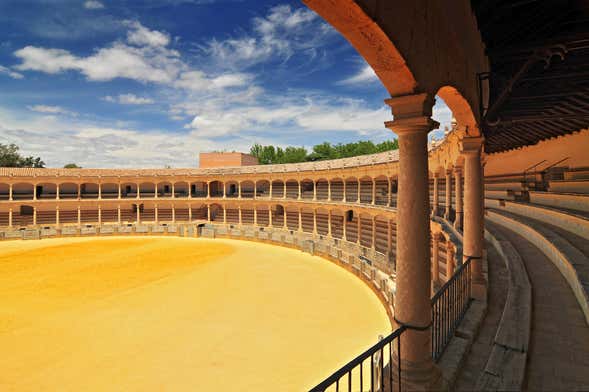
(558, 358)
(481, 347)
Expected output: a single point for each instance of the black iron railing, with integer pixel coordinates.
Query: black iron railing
(374, 370)
(449, 305)
(377, 369)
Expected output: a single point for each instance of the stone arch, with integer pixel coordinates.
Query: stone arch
(108, 190)
(147, 189)
(461, 109)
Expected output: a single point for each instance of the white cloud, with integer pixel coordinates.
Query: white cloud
(142, 36)
(9, 72)
(279, 34)
(93, 5)
(365, 75)
(145, 58)
(129, 99)
(47, 109)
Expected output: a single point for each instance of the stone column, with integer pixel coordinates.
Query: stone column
(155, 195)
(34, 191)
(300, 220)
(99, 191)
(10, 192)
(208, 194)
(435, 262)
(458, 185)
(224, 214)
(79, 216)
(436, 202)
(239, 214)
(209, 212)
(239, 190)
(358, 199)
(173, 190)
(328, 190)
(224, 191)
(373, 191)
(119, 214)
(271, 194)
(450, 259)
(389, 239)
(270, 215)
(10, 218)
(345, 195)
(390, 191)
(329, 223)
(358, 229)
(314, 190)
(57, 192)
(34, 215)
(315, 222)
(284, 190)
(255, 190)
(300, 192)
(119, 196)
(80, 191)
(448, 195)
(284, 214)
(473, 212)
(156, 211)
(189, 213)
(138, 214)
(99, 215)
(138, 191)
(255, 215)
(412, 124)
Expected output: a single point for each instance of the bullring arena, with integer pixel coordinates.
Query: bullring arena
(454, 264)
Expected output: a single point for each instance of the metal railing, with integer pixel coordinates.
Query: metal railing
(449, 305)
(374, 370)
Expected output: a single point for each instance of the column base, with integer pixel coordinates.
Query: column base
(421, 377)
(479, 290)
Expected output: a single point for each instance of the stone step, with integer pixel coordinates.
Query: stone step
(570, 261)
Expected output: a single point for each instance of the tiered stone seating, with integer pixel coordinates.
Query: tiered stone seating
(45, 217)
(263, 217)
(567, 250)
(352, 230)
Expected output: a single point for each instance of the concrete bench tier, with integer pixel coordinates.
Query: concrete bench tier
(570, 261)
(569, 201)
(572, 186)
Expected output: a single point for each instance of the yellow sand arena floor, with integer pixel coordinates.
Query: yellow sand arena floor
(163, 313)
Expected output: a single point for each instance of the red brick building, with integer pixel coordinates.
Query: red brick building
(226, 159)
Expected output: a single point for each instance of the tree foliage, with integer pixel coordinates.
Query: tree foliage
(270, 154)
(72, 166)
(11, 157)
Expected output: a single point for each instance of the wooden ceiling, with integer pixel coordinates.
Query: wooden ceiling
(539, 79)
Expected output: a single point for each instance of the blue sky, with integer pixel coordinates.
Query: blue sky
(151, 83)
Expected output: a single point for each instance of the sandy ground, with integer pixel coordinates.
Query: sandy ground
(164, 313)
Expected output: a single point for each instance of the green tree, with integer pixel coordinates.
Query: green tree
(72, 166)
(325, 150)
(11, 157)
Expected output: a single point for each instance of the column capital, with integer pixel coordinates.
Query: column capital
(471, 145)
(414, 105)
(407, 125)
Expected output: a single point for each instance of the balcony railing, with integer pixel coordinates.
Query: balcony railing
(377, 369)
